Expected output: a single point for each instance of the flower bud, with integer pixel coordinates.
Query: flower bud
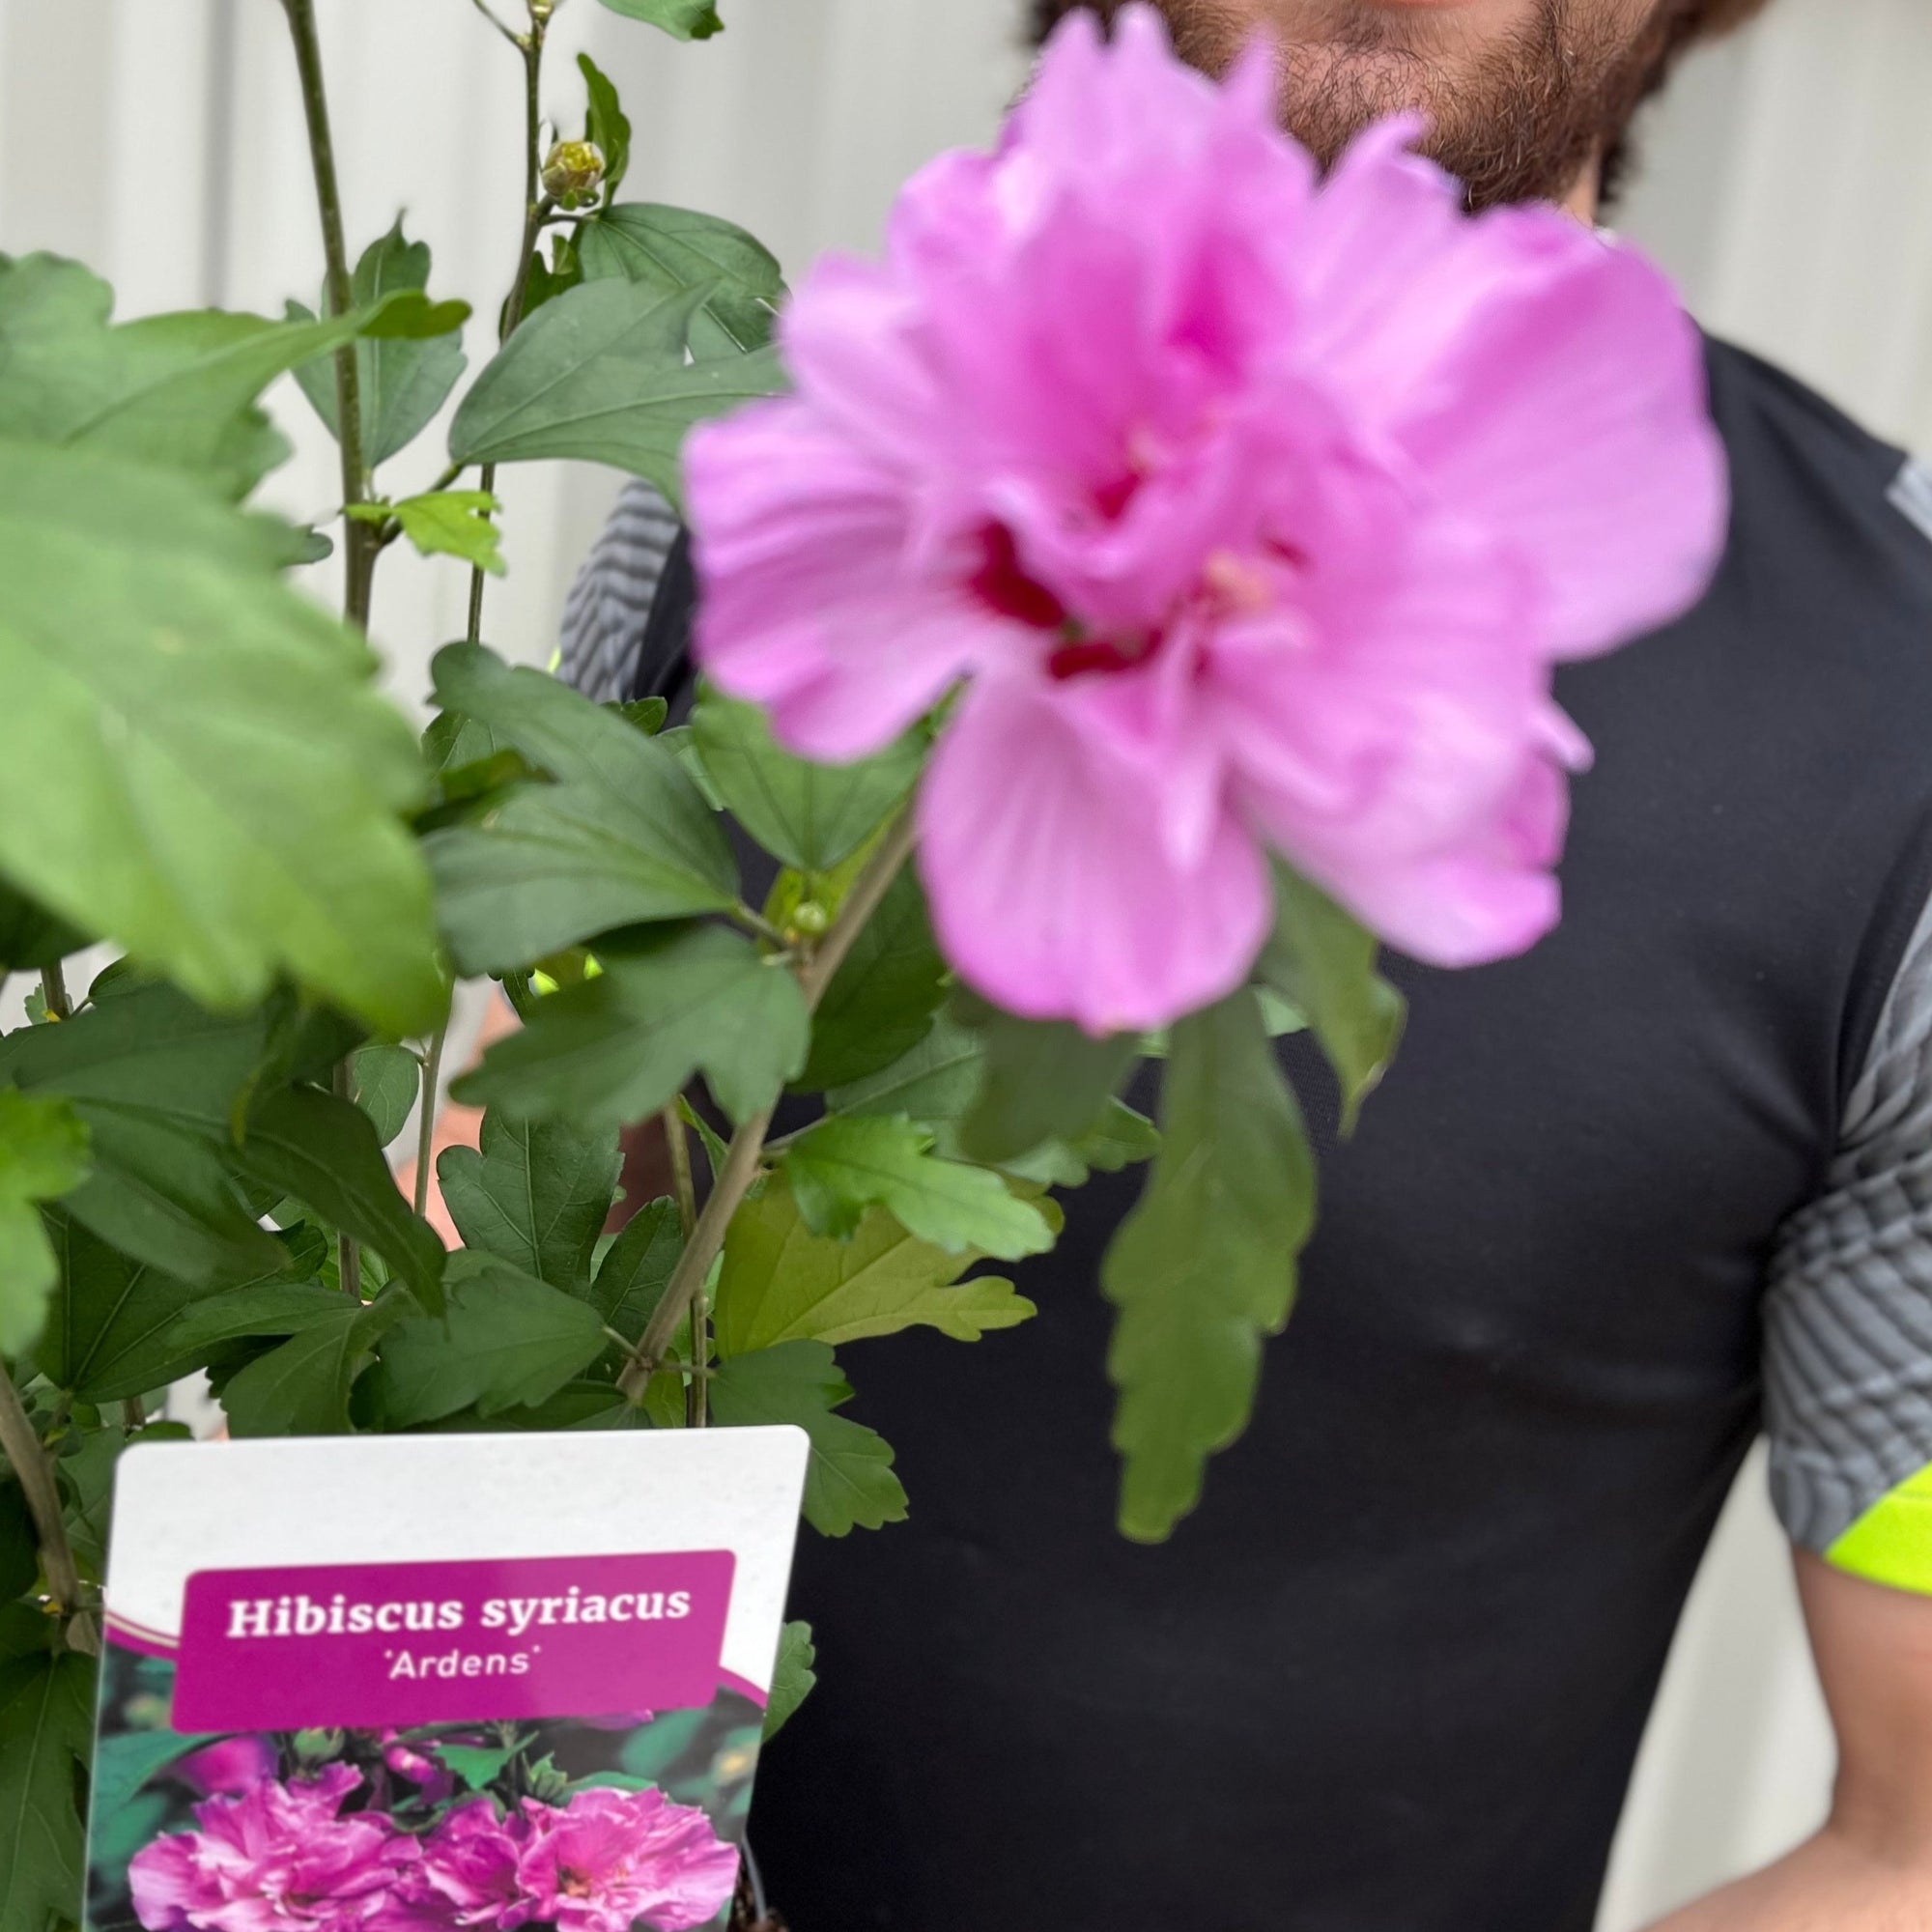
(571, 170)
(810, 920)
(317, 1747)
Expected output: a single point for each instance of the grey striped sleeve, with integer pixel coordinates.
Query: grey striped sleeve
(609, 600)
(1848, 1320)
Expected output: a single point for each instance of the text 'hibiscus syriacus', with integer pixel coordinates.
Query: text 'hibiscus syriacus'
(1252, 509)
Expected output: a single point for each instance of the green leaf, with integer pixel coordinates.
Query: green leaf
(111, 1328)
(265, 1308)
(840, 1167)
(708, 1136)
(155, 1080)
(881, 1001)
(476, 1765)
(622, 1047)
(124, 1761)
(304, 1142)
(849, 1482)
(623, 837)
(46, 1732)
(509, 1340)
(535, 1196)
(192, 757)
(1044, 1080)
(402, 383)
(792, 1677)
(42, 1155)
(681, 20)
(1117, 1139)
(674, 250)
(547, 280)
(1204, 1266)
(600, 373)
(303, 1387)
(176, 391)
(607, 128)
(388, 1081)
(934, 1081)
(809, 815)
(636, 1269)
(31, 938)
(782, 1283)
(86, 1474)
(1322, 961)
(446, 522)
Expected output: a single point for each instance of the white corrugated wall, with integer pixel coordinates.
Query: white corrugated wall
(1790, 188)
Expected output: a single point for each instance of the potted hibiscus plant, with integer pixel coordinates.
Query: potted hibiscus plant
(1123, 605)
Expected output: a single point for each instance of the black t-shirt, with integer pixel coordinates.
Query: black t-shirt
(1392, 1676)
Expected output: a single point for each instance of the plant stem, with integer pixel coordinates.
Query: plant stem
(733, 1180)
(348, 1256)
(515, 38)
(34, 1469)
(677, 1142)
(359, 548)
(531, 46)
(53, 992)
(432, 1082)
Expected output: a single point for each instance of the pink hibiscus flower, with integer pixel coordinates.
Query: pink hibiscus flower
(229, 1764)
(611, 1859)
(1252, 509)
(274, 1858)
(466, 1876)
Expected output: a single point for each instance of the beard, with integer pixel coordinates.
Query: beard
(1519, 118)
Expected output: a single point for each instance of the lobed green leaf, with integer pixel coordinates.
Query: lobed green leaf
(668, 1005)
(808, 815)
(1322, 962)
(1204, 1266)
(536, 1197)
(600, 373)
(677, 250)
(792, 1677)
(402, 380)
(849, 1482)
(509, 1341)
(46, 1735)
(780, 1283)
(681, 20)
(194, 760)
(842, 1166)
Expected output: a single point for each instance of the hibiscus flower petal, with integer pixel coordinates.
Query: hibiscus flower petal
(1052, 891)
(1578, 424)
(810, 603)
(1482, 899)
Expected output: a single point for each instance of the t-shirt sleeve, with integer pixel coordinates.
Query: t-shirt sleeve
(608, 608)
(1848, 1320)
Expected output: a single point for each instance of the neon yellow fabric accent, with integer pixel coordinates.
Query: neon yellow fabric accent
(1891, 1543)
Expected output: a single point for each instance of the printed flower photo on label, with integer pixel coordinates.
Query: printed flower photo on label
(617, 1822)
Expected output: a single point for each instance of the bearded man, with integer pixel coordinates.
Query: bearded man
(1662, 1182)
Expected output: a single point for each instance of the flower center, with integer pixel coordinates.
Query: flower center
(1001, 584)
(572, 1885)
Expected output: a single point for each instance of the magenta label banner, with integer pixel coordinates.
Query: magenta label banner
(371, 1646)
